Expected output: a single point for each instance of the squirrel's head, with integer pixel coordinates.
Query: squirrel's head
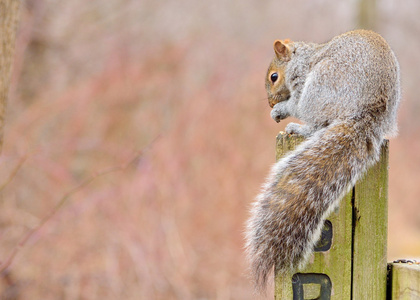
(275, 83)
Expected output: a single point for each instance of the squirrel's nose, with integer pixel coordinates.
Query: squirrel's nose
(272, 102)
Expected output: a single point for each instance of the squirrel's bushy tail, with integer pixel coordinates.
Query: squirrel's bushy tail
(302, 189)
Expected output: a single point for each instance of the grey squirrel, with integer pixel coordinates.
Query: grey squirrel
(347, 92)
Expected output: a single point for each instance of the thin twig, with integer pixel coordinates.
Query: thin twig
(13, 173)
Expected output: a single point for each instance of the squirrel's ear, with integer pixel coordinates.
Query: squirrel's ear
(282, 50)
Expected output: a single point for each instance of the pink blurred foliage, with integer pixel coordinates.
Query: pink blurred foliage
(162, 228)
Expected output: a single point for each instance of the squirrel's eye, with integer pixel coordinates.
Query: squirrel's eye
(274, 77)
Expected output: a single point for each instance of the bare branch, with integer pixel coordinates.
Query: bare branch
(6, 264)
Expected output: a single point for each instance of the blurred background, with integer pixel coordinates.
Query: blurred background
(171, 93)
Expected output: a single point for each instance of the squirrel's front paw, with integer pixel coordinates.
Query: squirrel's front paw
(295, 128)
(279, 112)
(292, 128)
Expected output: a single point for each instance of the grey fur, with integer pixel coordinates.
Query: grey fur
(347, 92)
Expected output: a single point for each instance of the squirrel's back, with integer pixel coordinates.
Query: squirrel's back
(349, 74)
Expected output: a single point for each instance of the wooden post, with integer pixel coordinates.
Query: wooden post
(404, 281)
(353, 266)
(370, 225)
